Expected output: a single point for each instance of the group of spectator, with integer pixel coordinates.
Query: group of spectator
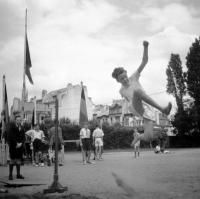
(39, 143)
(17, 136)
(87, 145)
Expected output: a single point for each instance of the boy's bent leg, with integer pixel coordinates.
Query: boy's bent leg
(137, 103)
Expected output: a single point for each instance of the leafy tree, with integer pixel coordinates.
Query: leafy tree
(182, 122)
(175, 80)
(193, 78)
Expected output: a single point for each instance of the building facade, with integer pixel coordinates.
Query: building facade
(120, 112)
(69, 99)
(26, 110)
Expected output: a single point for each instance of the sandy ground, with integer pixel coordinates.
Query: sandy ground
(174, 175)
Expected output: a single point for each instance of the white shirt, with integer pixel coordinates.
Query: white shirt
(84, 133)
(35, 134)
(128, 92)
(98, 133)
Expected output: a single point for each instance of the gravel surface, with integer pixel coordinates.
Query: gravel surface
(119, 175)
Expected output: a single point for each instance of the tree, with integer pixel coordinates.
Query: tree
(176, 87)
(175, 80)
(193, 77)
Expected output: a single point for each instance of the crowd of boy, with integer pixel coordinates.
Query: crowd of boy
(16, 139)
(17, 136)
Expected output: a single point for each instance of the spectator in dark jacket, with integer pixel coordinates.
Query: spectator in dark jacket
(16, 139)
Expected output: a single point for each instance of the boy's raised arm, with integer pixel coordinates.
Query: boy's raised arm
(145, 56)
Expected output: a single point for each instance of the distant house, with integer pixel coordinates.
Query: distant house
(69, 102)
(120, 112)
(26, 109)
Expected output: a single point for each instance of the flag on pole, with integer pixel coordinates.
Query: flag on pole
(83, 117)
(6, 106)
(33, 118)
(28, 64)
(5, 111)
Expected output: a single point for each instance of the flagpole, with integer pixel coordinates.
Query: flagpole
(35, 110)
(24, 79)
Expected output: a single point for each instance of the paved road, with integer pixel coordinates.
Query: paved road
(175, 175)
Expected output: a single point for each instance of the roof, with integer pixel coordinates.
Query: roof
(48, 98)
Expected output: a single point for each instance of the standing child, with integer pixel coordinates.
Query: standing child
(85, 144)
(98, 141)
(52, 136)
(136, 134)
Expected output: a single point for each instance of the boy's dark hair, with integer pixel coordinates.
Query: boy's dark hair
(97, 125)
(117, 71)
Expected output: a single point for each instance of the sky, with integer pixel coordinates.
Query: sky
(84, 40)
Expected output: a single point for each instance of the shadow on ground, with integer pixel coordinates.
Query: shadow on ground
(44, 196)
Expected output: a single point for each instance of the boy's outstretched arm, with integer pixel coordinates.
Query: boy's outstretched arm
(145, 56)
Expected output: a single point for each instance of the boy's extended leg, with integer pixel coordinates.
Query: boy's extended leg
(166, 110)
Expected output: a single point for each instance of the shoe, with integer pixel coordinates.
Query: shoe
(10, 178)
(89, 162)
(20, 177)
(41, 164)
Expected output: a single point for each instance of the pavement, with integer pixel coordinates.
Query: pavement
(119, 175)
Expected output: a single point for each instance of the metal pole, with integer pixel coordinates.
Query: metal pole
(56, 186)
(56, 142)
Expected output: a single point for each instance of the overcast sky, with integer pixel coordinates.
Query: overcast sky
(84, 40)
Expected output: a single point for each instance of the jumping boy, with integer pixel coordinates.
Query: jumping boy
(132, 90)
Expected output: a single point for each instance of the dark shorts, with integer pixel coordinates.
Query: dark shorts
(15, 161)
(37, 145)
(86, 144)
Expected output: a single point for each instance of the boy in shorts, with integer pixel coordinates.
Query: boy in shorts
(133, 91)
(85, 144)
(98, 141)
